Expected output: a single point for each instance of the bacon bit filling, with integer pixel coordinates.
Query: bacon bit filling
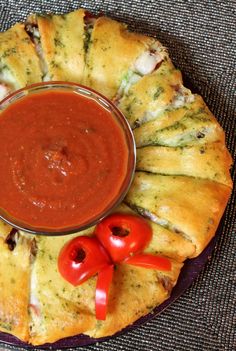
(11, 239)
(89, 21)
(147, 62)
(90, 18)
(183, 96)
(34, 34)
(35, 309)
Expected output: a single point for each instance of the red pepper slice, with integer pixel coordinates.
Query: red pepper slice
(150, 261)
(123, 235)
(102, 289)
(81, 258)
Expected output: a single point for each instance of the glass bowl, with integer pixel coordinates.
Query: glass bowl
(116, 114)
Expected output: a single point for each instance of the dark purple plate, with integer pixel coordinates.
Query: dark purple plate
(189, 273)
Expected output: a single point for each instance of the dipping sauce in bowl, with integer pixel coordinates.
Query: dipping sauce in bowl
(67, 157)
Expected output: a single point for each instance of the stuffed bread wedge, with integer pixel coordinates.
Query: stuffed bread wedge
(111, 52)
(19, 63)
(59, 40)
(14, 284)
(190, 125)
(213, 161)
(57, 308)
(140, 290)
(190, 206)
(164, 241)
(151, 95)
(146, 133)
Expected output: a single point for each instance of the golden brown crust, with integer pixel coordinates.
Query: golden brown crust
(62, 41)
(213, 161)
(14, 283)
(134, 292)
(164, 242)
(147, 98)
(5, 229)
(113, 51)
(191, 206)
(145, 134)
(191, 124)
(19, 58)
(60, 309)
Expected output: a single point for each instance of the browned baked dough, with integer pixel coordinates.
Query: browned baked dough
(180, 125)
(134, 292)
(187, 205)
(111, 53)
(207, 161)
(60, 309)
(164, 241)
(19, 63)
(60, 39)
(5, 229)
(151, 95)
(192, 124)
(14, 288)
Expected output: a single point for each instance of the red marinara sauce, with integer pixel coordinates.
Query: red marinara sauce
(63, 158)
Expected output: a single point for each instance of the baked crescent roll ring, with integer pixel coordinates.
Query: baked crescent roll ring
(180, 189)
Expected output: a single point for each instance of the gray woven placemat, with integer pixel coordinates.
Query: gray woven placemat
(201, 38)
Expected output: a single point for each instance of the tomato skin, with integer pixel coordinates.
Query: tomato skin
(102, 289)
(92, 258)
(150, 261)
(135, 235)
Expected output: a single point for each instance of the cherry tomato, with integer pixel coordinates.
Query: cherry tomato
(102, 289)
(150, 261)
(81, 258)
(123, 235)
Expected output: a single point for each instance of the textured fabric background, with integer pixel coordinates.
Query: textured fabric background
(201, 38)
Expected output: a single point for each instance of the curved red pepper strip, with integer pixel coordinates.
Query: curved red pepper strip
(102, 289)
(150, 261)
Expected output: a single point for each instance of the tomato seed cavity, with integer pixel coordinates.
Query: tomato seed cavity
(119, 231)
(79, 256)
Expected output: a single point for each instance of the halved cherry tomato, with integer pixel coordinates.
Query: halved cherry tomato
(81, 258)
(123, 235)
(150, 261)
(102, 289)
